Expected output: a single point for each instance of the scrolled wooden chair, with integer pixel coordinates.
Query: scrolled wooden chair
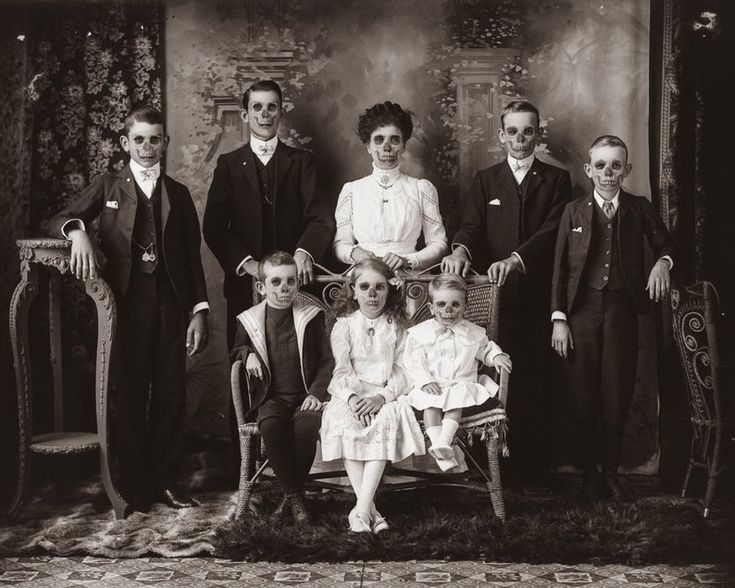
(696, 320)
(488, 422)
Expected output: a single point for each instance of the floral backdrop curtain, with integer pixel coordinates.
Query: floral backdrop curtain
(85, 64)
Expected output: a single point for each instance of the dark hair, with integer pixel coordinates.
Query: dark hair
(520, 106)
(609, 141)
(447, 281)
(380, 115)
(395, 306)
(262, 86)
(276, 258)
(143, 113)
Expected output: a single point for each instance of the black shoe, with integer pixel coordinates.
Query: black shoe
(298, 508)
(174, 499)
(591, 490)
(613, 487)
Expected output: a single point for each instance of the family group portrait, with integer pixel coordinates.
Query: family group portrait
(358, 292)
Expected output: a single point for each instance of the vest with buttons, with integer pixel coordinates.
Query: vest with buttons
(267, 186)
(147, 229)
(602, 269)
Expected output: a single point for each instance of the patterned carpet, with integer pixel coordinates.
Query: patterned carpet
(60, 572)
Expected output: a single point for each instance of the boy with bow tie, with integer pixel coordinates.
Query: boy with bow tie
(149, 234)
(598, 291)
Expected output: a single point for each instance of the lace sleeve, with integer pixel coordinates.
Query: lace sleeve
(432, 227)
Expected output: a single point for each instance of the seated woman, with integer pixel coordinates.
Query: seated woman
(368, 421)
(382, 215)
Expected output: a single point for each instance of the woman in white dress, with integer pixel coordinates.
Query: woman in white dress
(382, 215)
(368, 422)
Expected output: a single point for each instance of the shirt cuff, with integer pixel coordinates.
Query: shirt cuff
(240, 270)
(671, 261)
(467, 251)
(200, 306)
(558, 315)
(518, 256)
(77, 223)
(388, 394)
(305, 251)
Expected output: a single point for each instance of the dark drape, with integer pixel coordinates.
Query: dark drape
(69, 72)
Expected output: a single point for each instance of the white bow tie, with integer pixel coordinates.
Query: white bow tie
(265, 149)
(518, 166)
(151, 174)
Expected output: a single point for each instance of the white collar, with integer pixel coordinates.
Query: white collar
(600, 200)
(138, 170)
(525, 163)
(386, 177)
(257, 144)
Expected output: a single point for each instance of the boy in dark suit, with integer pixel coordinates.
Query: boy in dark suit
(289, 362)
(598, 291)
(149, 234)
(264, 196)
(509, 223)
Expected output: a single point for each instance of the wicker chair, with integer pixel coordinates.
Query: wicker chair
(711, 401)
(488, 422)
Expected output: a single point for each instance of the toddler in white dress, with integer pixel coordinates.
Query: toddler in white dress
(441, 359)
(368, 421)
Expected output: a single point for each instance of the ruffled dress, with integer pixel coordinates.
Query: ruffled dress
(367, 355)
(450, 357)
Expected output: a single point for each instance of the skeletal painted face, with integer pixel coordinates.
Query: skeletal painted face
(145, 143)
(371, 292)
(279, 286)
(386, 146)
(263, 114)
(519, 134)
(607, 169)
(447, 306)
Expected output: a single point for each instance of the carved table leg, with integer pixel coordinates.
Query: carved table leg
(106, 322)
(23, 296)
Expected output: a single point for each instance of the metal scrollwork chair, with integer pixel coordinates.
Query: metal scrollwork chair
(696, 318)
(487, 422)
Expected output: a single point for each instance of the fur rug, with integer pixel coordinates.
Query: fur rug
(440, 523)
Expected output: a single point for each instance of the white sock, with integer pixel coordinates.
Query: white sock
(433, 434)
(448, 430)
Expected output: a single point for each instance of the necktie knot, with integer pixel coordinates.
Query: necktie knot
(608, 209)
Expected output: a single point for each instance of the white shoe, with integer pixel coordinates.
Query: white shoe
(379, 523)
(441, 452)
(359, 522)
(461, 466)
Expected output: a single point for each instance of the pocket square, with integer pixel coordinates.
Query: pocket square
(577, 230)
(494, 202)
(112, 204)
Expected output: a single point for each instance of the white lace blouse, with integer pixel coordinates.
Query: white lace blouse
(386, 212)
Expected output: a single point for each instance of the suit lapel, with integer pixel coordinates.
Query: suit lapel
(127, 183)
(128, 204)
(253, 320)
(283, 161)
(507, 180)
(535, 177)
(165, 203)
(247, 165)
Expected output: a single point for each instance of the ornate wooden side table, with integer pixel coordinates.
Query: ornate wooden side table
(54, 255)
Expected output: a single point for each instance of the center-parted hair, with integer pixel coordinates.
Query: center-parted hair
(262, 86)
(609, 141)
(447, 281)
(395, 305)
(142, 112)
(276, 258)
(520, 106)
(381, 115)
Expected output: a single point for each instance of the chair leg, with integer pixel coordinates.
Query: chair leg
(713, 473)
(495, 485)
(245, 486)
(687, 476)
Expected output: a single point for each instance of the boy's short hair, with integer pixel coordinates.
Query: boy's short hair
(609, 141)
(520, 106)
(143, 113)
(262, 86)
(275, 259)
(447, 281)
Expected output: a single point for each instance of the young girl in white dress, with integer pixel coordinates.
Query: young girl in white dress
(441, 358)
(368, 422)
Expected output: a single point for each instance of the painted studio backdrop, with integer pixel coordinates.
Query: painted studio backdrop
(454, 64)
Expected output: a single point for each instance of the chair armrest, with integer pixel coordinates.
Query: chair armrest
(238, 389)
(503, 387)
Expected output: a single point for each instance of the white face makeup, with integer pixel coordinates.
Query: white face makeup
(386, 146)
(371, 292)
(607, 169)
(145, 143)
(279, 286)
(263, 114)
(447, 306)
(519, 134)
